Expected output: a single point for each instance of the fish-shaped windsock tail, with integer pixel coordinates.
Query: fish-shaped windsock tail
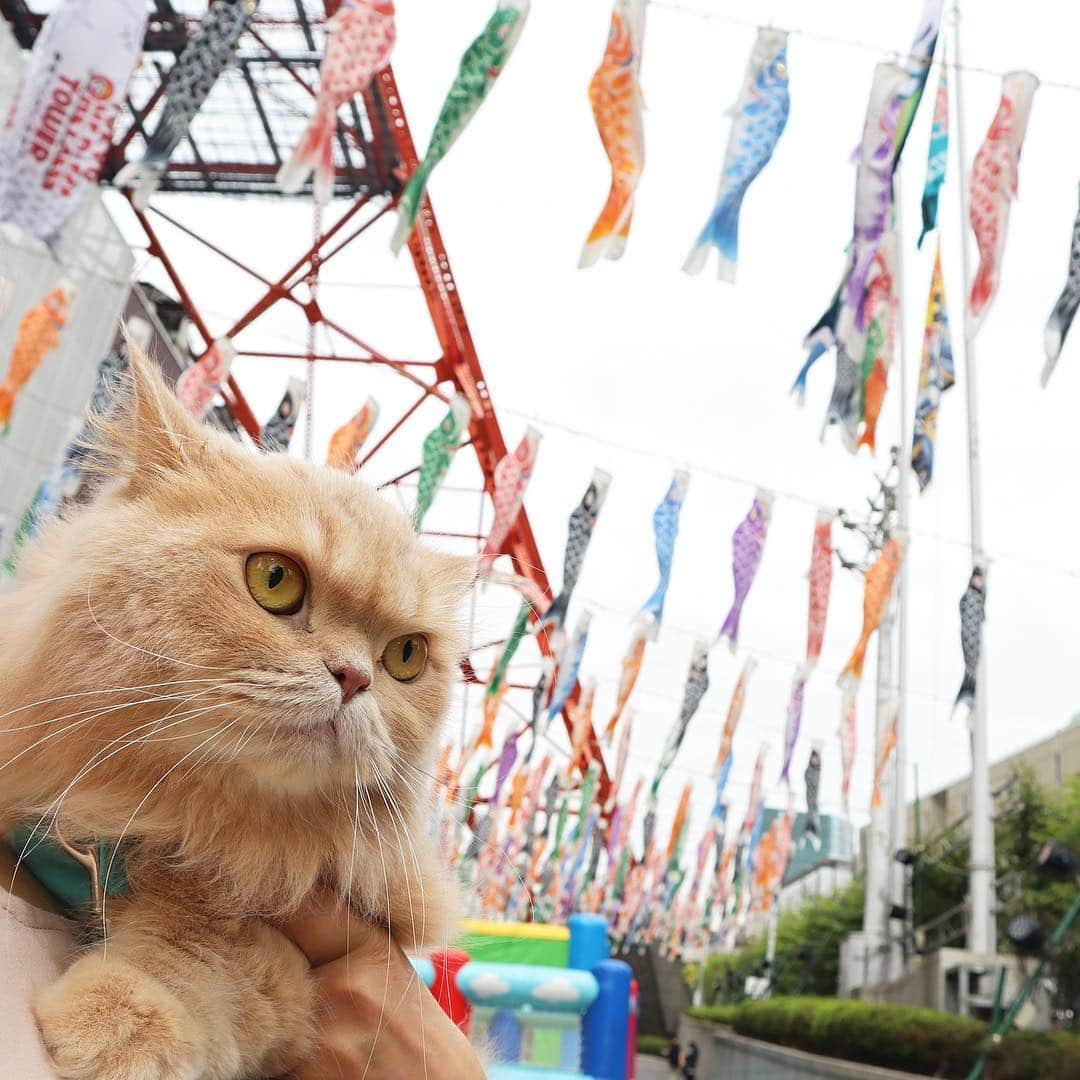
(555, 617)
(7, 407)
(798, 387)
(982, 292)
(314, 153)
(607, 240)
(730, 629)
(409, 207)
(929, 216)
(141, 178)
(965, 699)
(721, 232)
(1057, 327)
(851, 676)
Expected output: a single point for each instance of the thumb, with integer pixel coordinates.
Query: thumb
(326, 928)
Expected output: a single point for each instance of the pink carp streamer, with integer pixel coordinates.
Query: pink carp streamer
(848, 729)
(360, 39)
(199, 384)
(512, 476)
(994, 184)
(820, 577)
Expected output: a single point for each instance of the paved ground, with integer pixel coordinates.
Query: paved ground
(652, 1068)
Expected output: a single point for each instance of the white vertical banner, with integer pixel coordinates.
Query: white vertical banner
(59, 127)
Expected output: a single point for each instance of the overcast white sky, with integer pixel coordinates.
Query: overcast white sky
(658, 369)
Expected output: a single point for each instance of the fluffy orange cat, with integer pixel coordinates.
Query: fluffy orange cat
(237, 664)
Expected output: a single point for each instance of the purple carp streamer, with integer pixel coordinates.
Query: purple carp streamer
(794, 720)
(994, 184)
(747, 547)
(666, 530)
(894, 98)
(579, 534)
(759, 118)
(1061, 318)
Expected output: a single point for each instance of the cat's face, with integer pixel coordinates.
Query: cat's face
(299, 628)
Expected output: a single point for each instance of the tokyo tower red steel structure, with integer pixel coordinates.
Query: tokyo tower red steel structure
(271, 84)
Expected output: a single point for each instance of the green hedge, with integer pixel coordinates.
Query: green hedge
(656, 1045)
(897, 1037)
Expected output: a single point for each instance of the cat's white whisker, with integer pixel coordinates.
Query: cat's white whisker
(88, 693)
(139, 648)
(93, 713)
(395, 810)
(96, 759)
(123, 832)
(389, 929)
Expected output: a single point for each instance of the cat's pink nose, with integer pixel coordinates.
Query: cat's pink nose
(351, 679)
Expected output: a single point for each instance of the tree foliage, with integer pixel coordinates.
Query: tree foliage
(808, 940)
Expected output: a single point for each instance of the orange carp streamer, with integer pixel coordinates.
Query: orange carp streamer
(615, 96)
(877, 588)
(39, 334)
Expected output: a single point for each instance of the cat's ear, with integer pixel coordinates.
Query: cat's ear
(455, 575)
(149, 436)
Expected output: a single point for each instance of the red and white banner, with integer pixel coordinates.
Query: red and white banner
(60, 124)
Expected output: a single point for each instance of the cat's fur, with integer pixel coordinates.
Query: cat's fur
(147, 696)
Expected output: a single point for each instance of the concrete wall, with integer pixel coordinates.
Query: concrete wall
(952, 981)
(1052, 761)
(727, 1056)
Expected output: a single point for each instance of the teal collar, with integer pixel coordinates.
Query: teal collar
(67, 879)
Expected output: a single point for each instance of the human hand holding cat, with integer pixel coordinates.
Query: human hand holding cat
(377, 1018)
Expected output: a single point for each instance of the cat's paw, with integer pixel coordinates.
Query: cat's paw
(106, 1020)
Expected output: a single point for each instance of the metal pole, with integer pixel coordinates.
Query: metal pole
(876, 897)
(898, 839)
(983, 937)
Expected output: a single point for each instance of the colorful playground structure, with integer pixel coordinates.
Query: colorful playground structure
(547, 1002)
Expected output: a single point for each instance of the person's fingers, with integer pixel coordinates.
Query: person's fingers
(326, 928)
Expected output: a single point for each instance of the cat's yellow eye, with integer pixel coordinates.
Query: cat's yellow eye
(406, 657)
(275, 582)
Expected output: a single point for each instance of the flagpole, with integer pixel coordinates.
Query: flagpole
(982, 936)
(897, 883)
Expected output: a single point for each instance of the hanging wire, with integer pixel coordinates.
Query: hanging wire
(674, 7)
(1016, 559)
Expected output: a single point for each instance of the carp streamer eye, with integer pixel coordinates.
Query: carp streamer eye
(275, 582)
(406, 657)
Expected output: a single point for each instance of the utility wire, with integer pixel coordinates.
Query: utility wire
(674, 7)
